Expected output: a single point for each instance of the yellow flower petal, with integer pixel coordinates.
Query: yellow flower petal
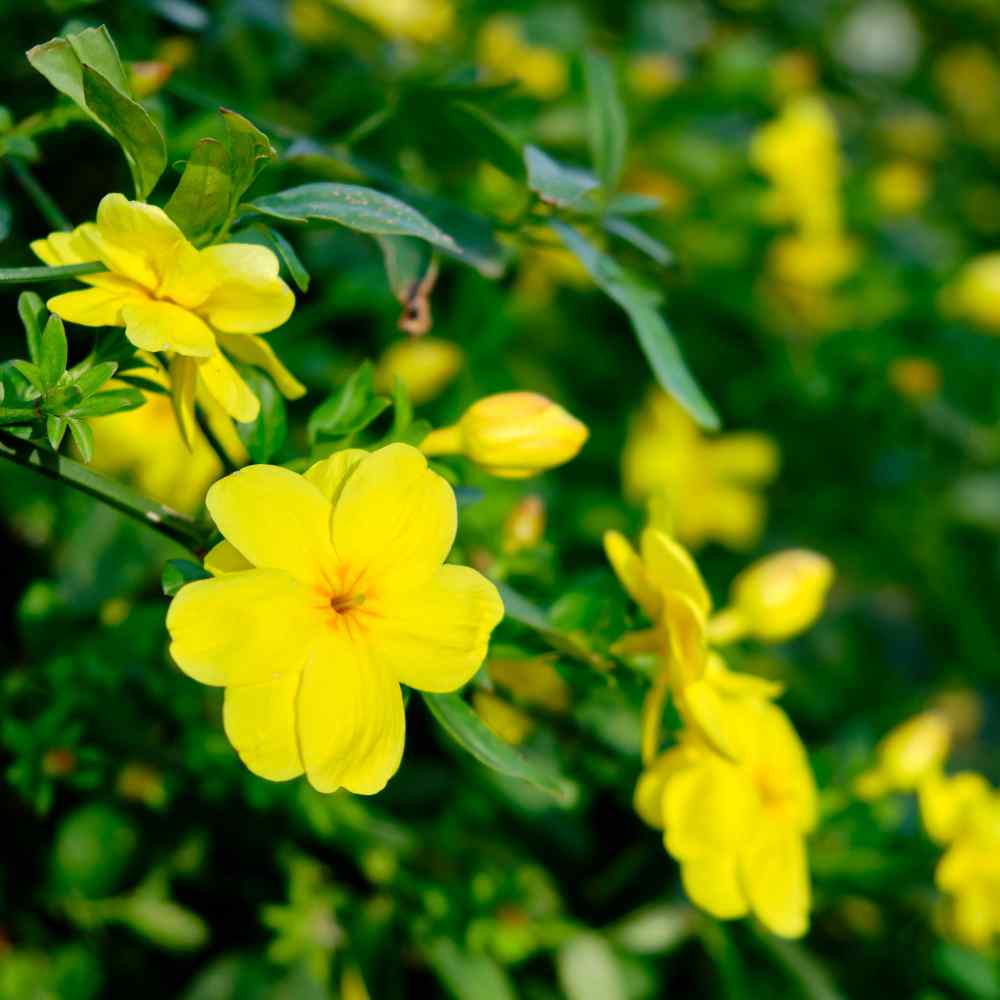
(775, 873)
(259, 720)
(648, 796)
(434, 638)
(250, 297)
(947, 802)
(631, 573)
(745, 457)
(183, 386)
(669, 566)
(241, 628)
(258, 352)
(351, 724)
(331, 473)
(93, 306)
(713, 883)
(276, 519)
(686, 626)
(415, 513)
(221, 425)
(230, 391)
(163, 326)
(225, 558)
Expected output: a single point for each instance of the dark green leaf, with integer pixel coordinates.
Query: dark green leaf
(177, 572)
(360, 208)
(83, 438)
(606, 119)
(351, 408)
(558, 184)
(462, 724)
(654, 335)
(489, 137)
(33, 275)
(249, 150)
(31, 309)
(130, 124)
(287, 253)
(146, 384)
(200, 204)
(265, 435)
(53, 353)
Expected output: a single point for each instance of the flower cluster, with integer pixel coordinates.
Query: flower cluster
(734, 796)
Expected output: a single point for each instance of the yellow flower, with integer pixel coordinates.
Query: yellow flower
(425, 365)
(911, 752)
(948, 801)
(501, 48)
(738, 826)
(509, 723)
(711, 484)
(975, 293)
(534, 681)
(901, 187)
(812, 262)
(331, 592)
(417, 20)
(524, 526)
(969, 872)
(776, 598)
(915, 378)
(145, 446)
(653, 74)
(512, 435)
(172, 297)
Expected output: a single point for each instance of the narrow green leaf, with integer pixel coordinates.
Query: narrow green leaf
(363, 209)
(288, 256)
(92, 378)
(264, 436)
(55, 429)
(639, 238)
(132, 127)
(468, 975)
(31, 309)
(32, 373)
(53, 353)
(249, 150)
(652, 331)
(606, 119)
(102, 404)
(177, 572)
(589, 969)
(201, 202)
(349, 409)
(145, 384)
(491, 138)
(34, 275)
(558, 184)
(462, 724)
(83, 438)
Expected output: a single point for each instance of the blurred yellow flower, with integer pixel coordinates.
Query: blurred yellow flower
(422, 21)
(172, 297)
(330, 591)
(915, 378)
(969, 872)
(502, 49)
(145, 446)
(711, 484)
(502, 718)
(947, 802)
(738, 825)
(425, 364)
(901, 187)
(975, 293)
(653, 74)
(911, 752)
(814, 262)
(533, 680)
(524, 526)
(512, 435)
(776, 598)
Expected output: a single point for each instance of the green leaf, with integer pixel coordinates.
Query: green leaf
(411, 267)
(132, 127)
(33, 275)
(83, 438)
(558, 184)
(489, 137)
(32, 373)
(605, 119)
(462, 724)
(640, 239)
(654, 335)
(31, 309)
(201, 202)
(53, 352)
(55, 429)
(249, 150)
(103, 404)
(90, 380)
(468, 975)
(348, 410)
(265, 435)
(359, 208)
(589, 969)
(177, 572)
(632, 203)
(287, 253)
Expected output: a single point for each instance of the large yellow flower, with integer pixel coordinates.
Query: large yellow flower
(172, 297)
(331, 592)
(711, 484)
(737, 825)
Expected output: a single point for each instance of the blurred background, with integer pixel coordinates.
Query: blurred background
(826, 238)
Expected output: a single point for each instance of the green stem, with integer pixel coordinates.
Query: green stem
(33, 275)
(42, 199)
(160, 518)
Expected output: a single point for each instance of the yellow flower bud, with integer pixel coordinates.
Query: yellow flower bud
(425, 365)
(511, 435)
(506, 721)
(901, 187)
(776, 598)
(975, 295)
(911, 753)
(534, 681)
(524, 525)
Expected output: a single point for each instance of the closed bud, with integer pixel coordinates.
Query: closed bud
(511, 435)
(525, 524)
(912, 752)
(424, 364)
(776, 598)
